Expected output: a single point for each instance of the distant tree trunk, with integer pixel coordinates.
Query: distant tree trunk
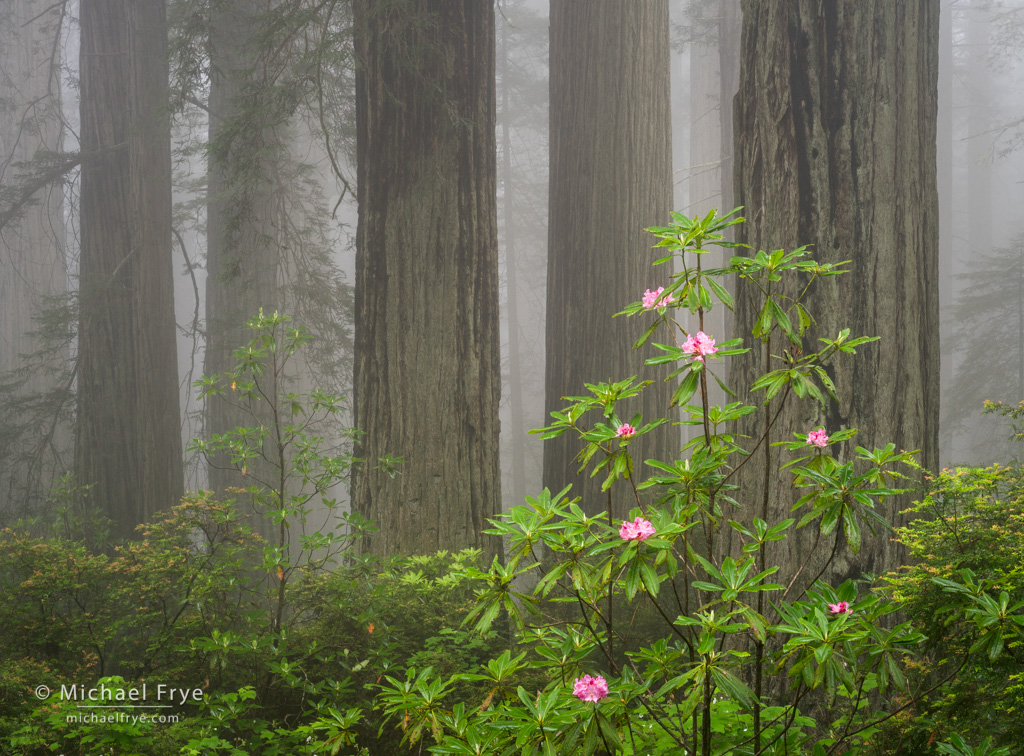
(515, 373)
(32, 262)
(730, 27)
(427, 371)
(979, 126)
(835, 147)
(1018, 247)
(714, 69)
(944, 179)
(706, 134)
(271, 240)
(611, 159)
(128, 442)
(243, 225)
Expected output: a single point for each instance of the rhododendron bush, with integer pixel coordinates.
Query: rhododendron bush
(655, 639)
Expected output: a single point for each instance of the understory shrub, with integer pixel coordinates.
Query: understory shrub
(597, 633)
(966, 544)
(742, 649)
(285, 637)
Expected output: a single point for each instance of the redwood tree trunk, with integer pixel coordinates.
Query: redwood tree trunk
(269, 243)
(34, 439)
(518, 438)
(835, 147)
(243, 232)
(714, 75)
(128, 443)
(611, 161)
(944, 178)
(427, 371)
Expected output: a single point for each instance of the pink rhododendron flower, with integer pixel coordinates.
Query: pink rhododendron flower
(841, 608)
(625, 431)
(700, 345)
(818, 438)
(589, 688)
(638, 530)
(654, 299)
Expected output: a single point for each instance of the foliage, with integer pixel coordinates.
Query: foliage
(740, 648)
(353, 625)
(967, 548)
(284, 650)
(288, 70)
(36, 409)
(77, 615)
(1015, 415)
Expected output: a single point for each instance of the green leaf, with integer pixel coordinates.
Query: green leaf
(723, 296)
(735, 689)
(852, 529)
(649, 577)
(647, 334)
(686, 389)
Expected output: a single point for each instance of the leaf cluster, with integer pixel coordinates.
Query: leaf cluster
(704, 650)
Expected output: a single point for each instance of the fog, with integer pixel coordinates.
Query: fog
(981, 189)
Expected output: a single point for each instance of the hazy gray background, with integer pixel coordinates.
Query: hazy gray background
(981, 175)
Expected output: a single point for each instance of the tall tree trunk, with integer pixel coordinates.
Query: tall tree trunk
(714, 76)
(979, 126)
(944, 180)
(835, 147)
(610, 179)
(427, 371)
(269, 246)
(515, 373)
(34, 440)
(243, 227)
(128, 443)
(730, 28)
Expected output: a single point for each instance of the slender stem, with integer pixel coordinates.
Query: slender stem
(765, 498)
(761, 440)
(705, 735)
(803, 566)
(911, 702)
(832, 555)
(758, 685)
(789, 712)
(586, 620)
(611, 584)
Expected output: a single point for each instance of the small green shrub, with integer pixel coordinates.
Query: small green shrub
(968, 531)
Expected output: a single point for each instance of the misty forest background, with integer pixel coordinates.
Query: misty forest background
(233, 187)
(451, 198)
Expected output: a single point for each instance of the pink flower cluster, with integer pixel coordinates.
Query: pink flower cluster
(654, 299)
(818, 438)
(625, 431)
(700, 345)
(842, 607)
(638, 530)
(589, 688)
